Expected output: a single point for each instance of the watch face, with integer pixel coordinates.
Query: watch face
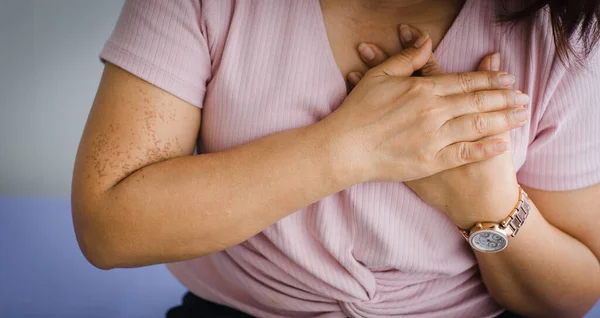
(488, 241)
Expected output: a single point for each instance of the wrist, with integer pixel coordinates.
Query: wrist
(489, 204)
(340, 162)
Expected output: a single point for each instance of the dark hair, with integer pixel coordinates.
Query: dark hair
(572, 20)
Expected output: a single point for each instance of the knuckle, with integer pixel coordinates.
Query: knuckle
(373, 72)
(479, 123)
(478, 101)
(509, 98)
(466, 82)
(403, 57)
(426, 119)
(420, 85)
(508, 118)
(490, 79)
(424, 156)
(416, 85)
(464, 152)
(427, 84)
(427, 107)
(431, 118)
(425, 113)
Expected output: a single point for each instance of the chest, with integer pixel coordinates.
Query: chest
(345, 33)
(294, 78)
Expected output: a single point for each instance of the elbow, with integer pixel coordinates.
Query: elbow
(98, 254)
(548, 310)
(96, 250)
(578, 304)
(98, 240)
(562, 305)
(106, 255)
(567, 311)
(99, 261)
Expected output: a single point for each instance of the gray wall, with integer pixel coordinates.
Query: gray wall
(49, 72)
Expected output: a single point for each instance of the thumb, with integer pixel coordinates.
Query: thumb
(407, 61)
(431, 68)
(407, 34)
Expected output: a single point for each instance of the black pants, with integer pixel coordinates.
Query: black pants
(195, 307)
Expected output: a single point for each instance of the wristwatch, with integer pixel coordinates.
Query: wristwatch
(492, 237)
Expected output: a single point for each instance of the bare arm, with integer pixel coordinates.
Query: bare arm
(551, 268)
(140, 198)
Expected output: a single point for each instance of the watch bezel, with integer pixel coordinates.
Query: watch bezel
(490, 228)
(508, 227)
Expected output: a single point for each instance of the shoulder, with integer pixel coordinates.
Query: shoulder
(240, 20)
(239, 31)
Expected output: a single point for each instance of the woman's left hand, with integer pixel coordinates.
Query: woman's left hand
(483, 191)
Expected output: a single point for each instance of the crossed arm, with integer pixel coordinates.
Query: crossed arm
(550, 269)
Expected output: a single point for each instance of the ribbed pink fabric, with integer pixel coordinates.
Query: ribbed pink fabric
(375, 249)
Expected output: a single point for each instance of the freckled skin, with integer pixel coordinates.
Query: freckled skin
(131, 127)
(124, 133)
(139, 197)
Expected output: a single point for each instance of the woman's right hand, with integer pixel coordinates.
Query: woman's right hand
(395, 128)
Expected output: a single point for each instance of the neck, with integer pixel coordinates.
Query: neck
(390, 11)
(392, 4)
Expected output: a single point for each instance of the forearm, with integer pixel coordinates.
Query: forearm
(543, 272)
(191, 206)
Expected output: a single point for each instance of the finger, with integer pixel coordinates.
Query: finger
(483, 101)
(407, 61)
(354, 78)
(476, 126)
(462, 153)
(371, 54)
(490, 63)
(407, 35)
(459, 83)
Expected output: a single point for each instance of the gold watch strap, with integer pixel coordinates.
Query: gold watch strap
(514, 220)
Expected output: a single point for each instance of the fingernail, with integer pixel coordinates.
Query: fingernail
(496, 62)
(507, 79)
(405, 33)
(354, 77)
(501, 146)
(522, 99)
(520, 114)
(366, 52)
(421, 40)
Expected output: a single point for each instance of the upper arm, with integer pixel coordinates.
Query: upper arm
(132, 124)
(576, 212)
(147, 108)
(561, 172)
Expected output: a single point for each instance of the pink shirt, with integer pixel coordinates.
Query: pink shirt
(375, 249)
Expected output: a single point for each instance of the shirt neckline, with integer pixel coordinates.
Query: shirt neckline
(330, 58)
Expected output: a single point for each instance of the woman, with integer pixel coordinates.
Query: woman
(309, 201)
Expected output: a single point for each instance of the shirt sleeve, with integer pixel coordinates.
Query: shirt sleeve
(565, 153)
(163, 43)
